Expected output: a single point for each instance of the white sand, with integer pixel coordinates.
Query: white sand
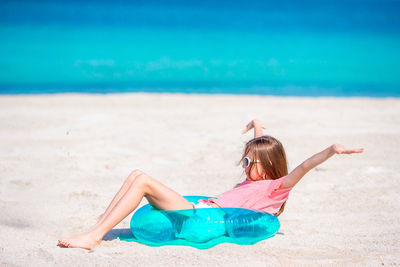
(63, 157)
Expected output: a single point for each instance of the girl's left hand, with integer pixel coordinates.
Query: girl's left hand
(340, 149)
(253, 124)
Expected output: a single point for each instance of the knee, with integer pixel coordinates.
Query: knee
(132, 176)
(143, 181)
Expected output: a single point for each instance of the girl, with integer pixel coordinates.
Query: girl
(266, 187)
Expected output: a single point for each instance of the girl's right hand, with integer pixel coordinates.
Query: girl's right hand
(340, 149)
(253, 124)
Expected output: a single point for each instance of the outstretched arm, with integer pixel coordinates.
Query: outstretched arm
(294, 177)
(258, 128)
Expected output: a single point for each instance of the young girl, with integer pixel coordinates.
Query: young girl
(266, 187)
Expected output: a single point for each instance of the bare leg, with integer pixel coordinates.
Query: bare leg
(125, 186)
(142, 186)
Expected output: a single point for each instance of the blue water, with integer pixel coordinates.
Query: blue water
(299, 48)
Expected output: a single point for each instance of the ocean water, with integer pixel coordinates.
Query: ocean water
(299, 48)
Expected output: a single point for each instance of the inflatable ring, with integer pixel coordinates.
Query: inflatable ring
(201, 228)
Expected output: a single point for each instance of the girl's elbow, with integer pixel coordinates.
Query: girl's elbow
(305, 167)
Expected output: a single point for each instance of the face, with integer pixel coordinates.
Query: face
(257, 172)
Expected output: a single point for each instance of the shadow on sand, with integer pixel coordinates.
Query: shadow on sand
(116, 233)
(127, 233)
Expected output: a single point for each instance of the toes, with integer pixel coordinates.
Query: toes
(64, 243)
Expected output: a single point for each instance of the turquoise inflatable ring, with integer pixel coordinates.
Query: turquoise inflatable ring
(201, 228)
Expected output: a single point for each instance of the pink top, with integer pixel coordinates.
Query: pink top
(264, 195)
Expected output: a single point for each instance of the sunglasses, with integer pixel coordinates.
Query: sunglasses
(247, 161)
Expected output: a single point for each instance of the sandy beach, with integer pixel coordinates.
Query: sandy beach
(63, 157)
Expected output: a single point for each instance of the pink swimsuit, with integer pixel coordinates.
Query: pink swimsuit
(264, 195)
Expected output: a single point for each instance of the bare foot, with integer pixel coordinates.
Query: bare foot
(86, 241)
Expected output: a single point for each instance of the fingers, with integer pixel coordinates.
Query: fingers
(248, 127)
(253, 124)
(350, 151)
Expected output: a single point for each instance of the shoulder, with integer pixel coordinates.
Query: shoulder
(279, 184)
(268, 184)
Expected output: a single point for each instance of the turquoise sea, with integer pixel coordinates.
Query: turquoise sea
(291, 48)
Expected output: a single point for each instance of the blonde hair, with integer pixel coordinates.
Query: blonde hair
(272, 158)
